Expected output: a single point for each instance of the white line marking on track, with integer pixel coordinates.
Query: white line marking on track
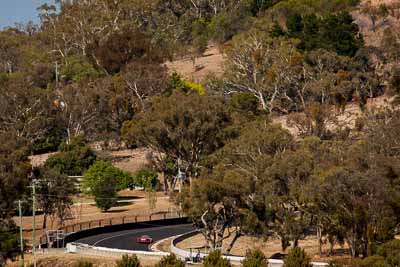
(130, 233)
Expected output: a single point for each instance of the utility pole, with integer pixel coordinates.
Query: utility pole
(20, 233)
(34, 221)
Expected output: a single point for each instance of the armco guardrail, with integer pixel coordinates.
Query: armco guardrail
(85, 249)
(73, 230)
(187, 254)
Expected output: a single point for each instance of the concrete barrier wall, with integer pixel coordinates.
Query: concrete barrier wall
(183, 254)
(85, 249)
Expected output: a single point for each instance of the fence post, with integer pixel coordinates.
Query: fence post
(99, 223)
(111, 221)
(123, 220)
(136, 219)
(165, 216)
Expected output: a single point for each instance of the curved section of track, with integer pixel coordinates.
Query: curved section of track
(126, 239)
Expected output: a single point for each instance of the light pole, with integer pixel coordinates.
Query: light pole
(20, 233)
(34, 220)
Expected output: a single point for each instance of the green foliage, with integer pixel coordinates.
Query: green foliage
(103, 181)
(374, 261)
(128, 261)
(335, 32)
(51, 142)
(73, 159)
(255, 258)
(83, 263)
(76, 69)
(9, 242)
(170, 261)
(297, 258)
(214, 259)
(244, 103)
(14, 172)
(105, 192)
(146, 178)
(55, 192)
(389, 248)
(104, 170)
(179, 84)
(227, 24)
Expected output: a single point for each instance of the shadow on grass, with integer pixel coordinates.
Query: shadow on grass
(118, 204)
(128, 197)
(122, 204)
(115, 211)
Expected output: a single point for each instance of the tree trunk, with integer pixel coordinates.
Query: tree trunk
(319, 236)
(44, 220)
(166, 186)
(232, 243)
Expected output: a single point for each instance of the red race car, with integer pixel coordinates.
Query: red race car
(144, 239)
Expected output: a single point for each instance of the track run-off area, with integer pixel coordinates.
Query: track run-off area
(126, 239)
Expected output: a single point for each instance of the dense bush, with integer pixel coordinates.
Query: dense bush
(179, 84)
(103, 181)
(9, 243)
(73, 159)
(335, 32)
(214, 259)
(100, 170)
(255, 258)
(170, 261)
(128, 261)
(146, 178)
(297, 257)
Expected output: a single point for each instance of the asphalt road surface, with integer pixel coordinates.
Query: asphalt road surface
(127, 239)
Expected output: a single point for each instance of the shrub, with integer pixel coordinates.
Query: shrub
(374, 261)
(245, 103)
(146, 178)
(179, 84)
(255, 258)
(170, 261)
(297, 258)
(214, 259)
(128, 261)
(100, 170)
(77, 69)
(73, 159)
(105, 193)
(389, 248)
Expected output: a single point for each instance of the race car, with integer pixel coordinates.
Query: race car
(144, 239)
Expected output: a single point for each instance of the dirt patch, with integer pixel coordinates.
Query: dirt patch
(130, 160)
(211, 62)
(63, 259)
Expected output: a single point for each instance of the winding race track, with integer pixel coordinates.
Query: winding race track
(126, 239)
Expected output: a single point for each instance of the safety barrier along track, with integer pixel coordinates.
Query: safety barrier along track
(183, 254)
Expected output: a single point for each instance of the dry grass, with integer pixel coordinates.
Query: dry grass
(130, 160)
(63, 259)
(272, 246)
